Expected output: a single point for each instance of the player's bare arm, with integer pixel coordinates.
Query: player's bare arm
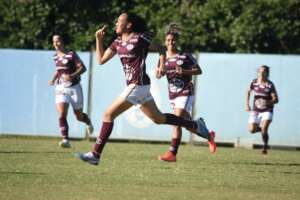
(274, 98)
(160, 71)
(196, 70)
(248, 93)
(102, 56)
(51, 82)
(80, 69)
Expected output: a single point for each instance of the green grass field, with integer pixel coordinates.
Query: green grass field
(37, 169)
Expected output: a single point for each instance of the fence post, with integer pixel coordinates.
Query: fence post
(90, 90)
(192, 136)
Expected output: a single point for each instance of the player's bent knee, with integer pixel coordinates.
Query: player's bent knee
(157, 120)
(107, 116)
(79, 116)
(252, 130)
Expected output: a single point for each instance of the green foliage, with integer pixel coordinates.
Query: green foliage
(250, 26)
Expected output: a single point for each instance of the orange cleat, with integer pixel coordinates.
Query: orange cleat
(168, 157)
(211, 143)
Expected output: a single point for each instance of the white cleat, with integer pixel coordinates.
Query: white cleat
(88, 157)
(90, 129)
(64, 143)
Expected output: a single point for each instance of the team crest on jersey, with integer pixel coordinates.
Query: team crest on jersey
(65, 61)
(129, 46)
(179, 62)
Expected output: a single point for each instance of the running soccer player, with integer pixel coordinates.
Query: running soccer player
(68, 89)
(180, 67)
(132, 45)
(265, 96)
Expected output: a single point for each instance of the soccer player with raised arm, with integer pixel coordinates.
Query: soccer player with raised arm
(132, 45)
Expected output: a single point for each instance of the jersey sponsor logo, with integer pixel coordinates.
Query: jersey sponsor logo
(260, 103)
(176, 85)
(65, 61)
(179, 62)
(127, 55)
(129, 47)
(61, 67)
(133, 40)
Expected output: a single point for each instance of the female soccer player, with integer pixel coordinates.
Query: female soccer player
(180, 67)
(68, 88)
(265, 96)
(132, 45)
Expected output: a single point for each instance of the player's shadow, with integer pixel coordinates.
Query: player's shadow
(33, 152)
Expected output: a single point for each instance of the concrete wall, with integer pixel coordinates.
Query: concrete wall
(27, 104)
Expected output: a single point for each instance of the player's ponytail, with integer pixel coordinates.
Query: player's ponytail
(138, 24)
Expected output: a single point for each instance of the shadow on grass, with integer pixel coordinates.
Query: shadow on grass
(266, 164)
(280, 172)
(22, 173)
(33, 152)
(275, 164)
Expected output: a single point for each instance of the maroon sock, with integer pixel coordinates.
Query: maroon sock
(175, 145)
(265, 138)
(86, 119)
(179, 121)
(64, 128)
(105, 132)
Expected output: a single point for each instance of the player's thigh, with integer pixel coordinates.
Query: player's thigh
(267, 118)
(151, 110)
(182, 113)
(62, 109)
(118, 106)
(265, 124)
(253, 127)
(76, 97)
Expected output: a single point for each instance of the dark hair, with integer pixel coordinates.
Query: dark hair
(138, 24)
(63, 37)
(267, 69)
(173, 29)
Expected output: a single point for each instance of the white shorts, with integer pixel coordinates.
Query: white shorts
(137, 94)
(72, 95)
(258, 117)
(183, 102)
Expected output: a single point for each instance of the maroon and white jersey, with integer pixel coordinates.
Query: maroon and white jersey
(180, 85)
(133, 55)
(262, 93)
(66, 64)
